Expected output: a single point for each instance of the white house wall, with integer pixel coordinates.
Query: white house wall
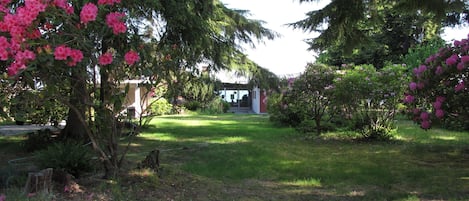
(256, 107)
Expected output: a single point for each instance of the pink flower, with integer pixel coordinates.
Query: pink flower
(425, 124)
(465, 59)
(131, 57)
(457, 43)
(76, 56)
(88, 13)
(420, 85)
(424, 116)
(437, 104)
(439, 113)
(24, 56)
(413, 86)
(115, 21)
(460, 66)
(460, 86)
(108, 2)
(439, 70)
(453, 59)
(430, 59)
(3, 197)
(61, 52)
(64, 5)
(105, 59)
(422, 68)
(416, 111)
(4, 46)
(409, 99)
(440, 99)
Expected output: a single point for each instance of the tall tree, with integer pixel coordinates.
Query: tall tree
(348, 23)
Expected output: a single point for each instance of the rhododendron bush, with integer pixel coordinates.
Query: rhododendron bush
(66, 45)
(438, 92)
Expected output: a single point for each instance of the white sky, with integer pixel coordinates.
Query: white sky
(288, 54)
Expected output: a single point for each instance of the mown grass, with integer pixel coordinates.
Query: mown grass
(245, 157)
(430, 164)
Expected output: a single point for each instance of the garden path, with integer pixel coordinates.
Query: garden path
(7, 130)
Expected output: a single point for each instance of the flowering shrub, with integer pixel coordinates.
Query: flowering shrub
(35, 22)
(43, 40)
(438, 91)
(306, 99)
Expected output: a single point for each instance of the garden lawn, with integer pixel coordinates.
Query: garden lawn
(248, 158)
(245, 157)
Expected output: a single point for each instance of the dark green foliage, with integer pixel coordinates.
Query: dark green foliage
(38, 140)
(72, 157)
(370, 98)
(280, 111)
(350, 24)
(192, 105)
(34, 106)
(306, 99)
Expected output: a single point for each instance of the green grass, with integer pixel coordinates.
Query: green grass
(430, 164)
(245, 157)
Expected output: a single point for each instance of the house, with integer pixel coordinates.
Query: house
(138, 98)
(259, 100)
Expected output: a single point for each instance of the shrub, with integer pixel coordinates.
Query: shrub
(370, 98)
(161, 107)
(438, 91)
(71, 157)
(192, 105)
(280, 111)
(217, 106)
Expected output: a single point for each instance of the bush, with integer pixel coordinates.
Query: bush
(192, 105)
(161, 107)
(370, 98)
(309, 126)
(439, 89)
(217, 106)
(38, 140)
(71, 157)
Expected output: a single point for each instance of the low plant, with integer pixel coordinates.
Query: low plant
(161, 107)
(71, 157)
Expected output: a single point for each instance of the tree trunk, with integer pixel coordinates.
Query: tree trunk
(75, 128)
(107, 126)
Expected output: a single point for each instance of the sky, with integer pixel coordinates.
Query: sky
(288, 54)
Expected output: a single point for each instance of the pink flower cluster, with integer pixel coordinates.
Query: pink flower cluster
(108, 2)
(64, 5)
(443, 75)
(115, 21)
(105, 59)
(425, 123)
(64, 53)
(131, 57)
(88, 13)
(20, 25)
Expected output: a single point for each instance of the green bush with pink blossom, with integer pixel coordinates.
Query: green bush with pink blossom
(438, 92)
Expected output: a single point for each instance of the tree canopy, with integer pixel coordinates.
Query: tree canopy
(347, 24)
